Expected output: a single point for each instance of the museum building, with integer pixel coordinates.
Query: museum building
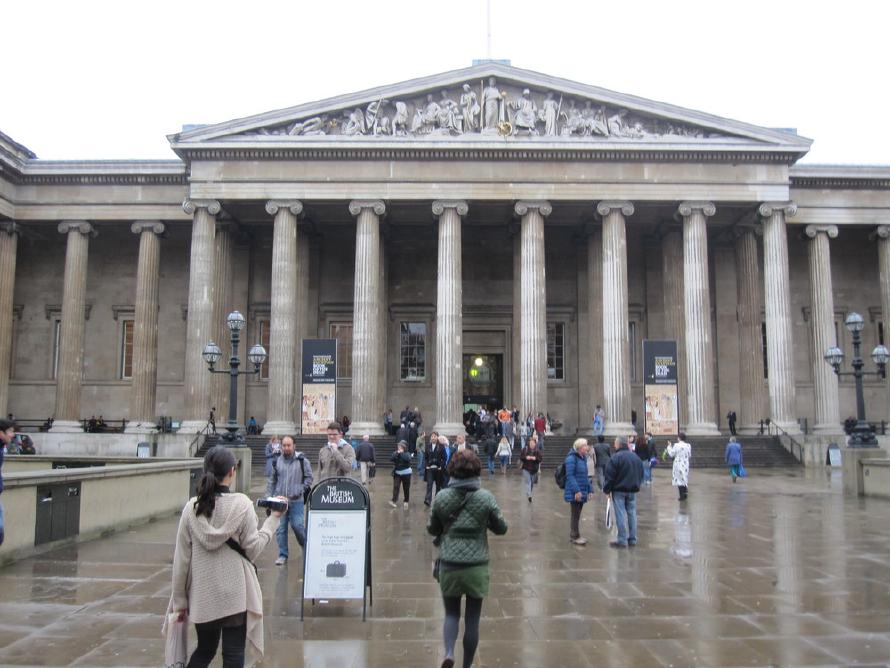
(489, 235)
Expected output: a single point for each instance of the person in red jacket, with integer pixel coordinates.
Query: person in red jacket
(540, 428)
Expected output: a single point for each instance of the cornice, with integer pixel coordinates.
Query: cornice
(97, 172)
(846, 177)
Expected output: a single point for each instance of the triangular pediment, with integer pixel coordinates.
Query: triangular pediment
(491, 103)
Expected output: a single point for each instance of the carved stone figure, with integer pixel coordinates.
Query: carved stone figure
(573, 122)
(373, 114)
(309, 126)
(594, 120)
(525, 113)
(449, 120)
(355, 123)
(550, 111)
(470, 109)
(617, 125)
(400, 119)
(492, 106)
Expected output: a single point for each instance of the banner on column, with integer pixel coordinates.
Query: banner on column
(660, 371)
(319, 384)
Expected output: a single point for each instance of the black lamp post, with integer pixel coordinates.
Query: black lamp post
(212, 353)
(863, 435)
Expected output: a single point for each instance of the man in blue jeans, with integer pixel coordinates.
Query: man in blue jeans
(291, 475)
(624, 473)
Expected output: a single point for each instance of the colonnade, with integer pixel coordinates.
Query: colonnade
(686, 300)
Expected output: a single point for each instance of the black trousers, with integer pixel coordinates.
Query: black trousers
(234, 639)
(577, 507)
(684, 490)
(433, 477)
(405, 482)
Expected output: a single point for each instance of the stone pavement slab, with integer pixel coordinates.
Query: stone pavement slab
(778, 569)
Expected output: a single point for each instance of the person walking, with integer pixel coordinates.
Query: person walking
(540, 428)
(645, 452)
(733, 457)
(503, 453)
(434, 467)
(599, 421)
(460, 520)
(401, 474)
(367, 458)
(419, 448)
(624, 474)
(337, 456)
(490, 447)
(577, 491)
(731, 419)
(215, 583)
(291, 478)
(681, 452)
(273, 449)
(530, 460)
(603, 454)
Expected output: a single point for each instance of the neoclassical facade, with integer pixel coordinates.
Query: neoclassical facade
(534, 229)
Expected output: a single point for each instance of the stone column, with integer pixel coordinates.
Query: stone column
(71, 332)
(674, 308)
(533, 300)
(284, 323)
(595, 329)
(9, 232)
(616, 336)
(199, 326)
(223, 276)
(777, 297)
(143, 388)
(700, 407)
(449, 319)
(384, 325)
(752, 397)
(366, 364)
(882, 232)
(828, 420)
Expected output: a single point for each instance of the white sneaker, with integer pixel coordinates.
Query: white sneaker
(393, 504)
(405, 505)
(281, 561)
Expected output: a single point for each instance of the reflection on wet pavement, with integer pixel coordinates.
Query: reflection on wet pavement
(780, 569)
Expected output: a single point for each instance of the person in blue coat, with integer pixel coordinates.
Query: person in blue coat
(577, 490)
(733, 457)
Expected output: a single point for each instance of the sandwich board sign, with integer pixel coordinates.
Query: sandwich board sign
(337, 562)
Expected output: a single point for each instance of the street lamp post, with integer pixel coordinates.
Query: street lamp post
(863, 435)
(212, 354)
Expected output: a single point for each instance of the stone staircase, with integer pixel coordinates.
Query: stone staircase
(707, 452)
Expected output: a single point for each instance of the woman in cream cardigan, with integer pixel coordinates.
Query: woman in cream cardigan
(214, 580)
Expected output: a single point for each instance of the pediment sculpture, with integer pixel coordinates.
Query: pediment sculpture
(488, 108)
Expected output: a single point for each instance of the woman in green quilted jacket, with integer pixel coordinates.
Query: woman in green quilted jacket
(461, 517)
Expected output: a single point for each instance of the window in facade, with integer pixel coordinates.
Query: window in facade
(126, 348)
(342, 331)
(57, 333)
(556, 350)
(412, 351)
(264, 324)
(763, 348)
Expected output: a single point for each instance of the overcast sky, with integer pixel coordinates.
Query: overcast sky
(105, 80)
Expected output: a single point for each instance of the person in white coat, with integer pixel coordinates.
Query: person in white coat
(681, 452)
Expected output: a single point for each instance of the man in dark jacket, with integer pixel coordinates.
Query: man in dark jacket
(646, 451)
(624, 473)
(435, 468)
(402, 432)
(366, 457)
(603, 453)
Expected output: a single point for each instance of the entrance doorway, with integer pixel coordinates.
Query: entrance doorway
(483, 381)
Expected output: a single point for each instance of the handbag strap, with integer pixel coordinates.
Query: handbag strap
(232, 543)
(453, 516)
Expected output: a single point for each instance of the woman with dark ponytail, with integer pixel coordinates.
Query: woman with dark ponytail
(214, 580)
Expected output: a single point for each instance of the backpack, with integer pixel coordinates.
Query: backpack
(300, 458)
(560, 476)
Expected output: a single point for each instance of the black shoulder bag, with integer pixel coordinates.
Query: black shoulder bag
(232, 543)
(437, 541)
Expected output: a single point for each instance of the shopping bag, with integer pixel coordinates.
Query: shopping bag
(176, 653)
(609, 514)
(742, 472)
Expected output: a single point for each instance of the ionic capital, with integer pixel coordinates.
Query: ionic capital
(10, 227)
(141, 226)
(686, 209)
(606, 207)
(356, 206)
(767, 209)
(192, 205)
(458, 205)
(881, 232)
(812, 231)
(81, 226)
(273, 205)
(543, 207)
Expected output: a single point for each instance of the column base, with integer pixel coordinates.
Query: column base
(359, 429)
(791, 428)
(702, 429)
(67, 427)
(192, 426)
(280, 427)
(141, 428)
(449, 429)
(751, 429)
(829, 429)
(614, 429)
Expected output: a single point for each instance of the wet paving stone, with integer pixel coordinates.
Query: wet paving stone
(777, 570)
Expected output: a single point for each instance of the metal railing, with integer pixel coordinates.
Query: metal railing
(775, 430)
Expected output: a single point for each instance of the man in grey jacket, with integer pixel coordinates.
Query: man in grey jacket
(337, 457)
(291, 477)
